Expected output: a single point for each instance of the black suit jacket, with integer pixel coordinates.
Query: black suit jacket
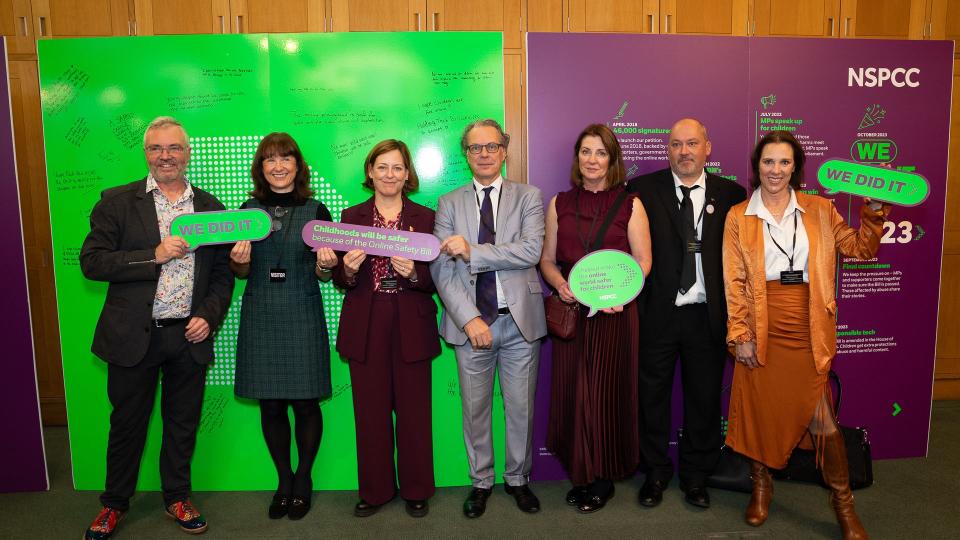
(419, 338)
(658, 194)
(120, 250)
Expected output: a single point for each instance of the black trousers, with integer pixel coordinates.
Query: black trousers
(687, 335)
(132, 391)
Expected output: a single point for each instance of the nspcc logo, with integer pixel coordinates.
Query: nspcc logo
(875, 77)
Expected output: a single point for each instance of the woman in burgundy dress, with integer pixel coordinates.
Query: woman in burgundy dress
(593, 413)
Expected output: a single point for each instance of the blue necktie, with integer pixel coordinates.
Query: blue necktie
(487, 281)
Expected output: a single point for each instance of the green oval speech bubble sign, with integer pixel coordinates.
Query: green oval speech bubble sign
(880, 183)
(223, 227)
(604, 279)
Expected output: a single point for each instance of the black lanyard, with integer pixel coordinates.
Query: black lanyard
(793, 249)
(286, 231)
(696, 226)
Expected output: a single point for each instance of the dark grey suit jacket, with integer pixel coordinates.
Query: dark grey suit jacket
(120, 250)
(658, 194)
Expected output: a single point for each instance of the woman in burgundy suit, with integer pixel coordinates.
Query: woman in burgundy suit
(388, 334)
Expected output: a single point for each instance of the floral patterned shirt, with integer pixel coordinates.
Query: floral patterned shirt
(175, 288)
(381, 267)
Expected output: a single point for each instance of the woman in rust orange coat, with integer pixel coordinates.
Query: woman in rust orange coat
(779, 264)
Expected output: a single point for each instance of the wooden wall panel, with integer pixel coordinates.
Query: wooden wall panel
(32, 183)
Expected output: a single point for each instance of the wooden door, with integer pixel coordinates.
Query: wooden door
(634, 16)
(947, 371)
(514, 114)
(944, 20)
(713, 17)
(883, 19)
(167, 17)
(16, 23)
(944, 23)
(283, 16)
(491, 16)
(796, 18)
(547, 15)
(35, 214)
(81, 18)
(378, 15)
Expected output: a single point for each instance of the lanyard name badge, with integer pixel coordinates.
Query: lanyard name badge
(278, 274)
(791, 276)
(696, 245)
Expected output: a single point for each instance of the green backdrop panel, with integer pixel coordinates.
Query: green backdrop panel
(337, 94)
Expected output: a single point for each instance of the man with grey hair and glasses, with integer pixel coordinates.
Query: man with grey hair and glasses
(491, 233)
(163, 304)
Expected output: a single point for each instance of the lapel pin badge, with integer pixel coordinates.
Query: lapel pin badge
(709, 208)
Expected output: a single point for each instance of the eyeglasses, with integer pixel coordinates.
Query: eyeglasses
(477, 148)
(275, 223)
(284, 160)
(158, 149)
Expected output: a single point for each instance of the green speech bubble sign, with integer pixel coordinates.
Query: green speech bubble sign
(879, 183)
(605, 279)
(224, 227)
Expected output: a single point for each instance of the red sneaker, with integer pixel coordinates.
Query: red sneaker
(187, 517)
(103, 526)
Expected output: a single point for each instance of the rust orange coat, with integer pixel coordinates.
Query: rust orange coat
(744, 271)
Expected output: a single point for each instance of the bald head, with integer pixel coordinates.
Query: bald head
(687, 149)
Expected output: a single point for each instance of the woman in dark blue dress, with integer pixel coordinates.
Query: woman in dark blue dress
(283, 354)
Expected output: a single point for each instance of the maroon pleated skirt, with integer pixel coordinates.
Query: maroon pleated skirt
(594, 407)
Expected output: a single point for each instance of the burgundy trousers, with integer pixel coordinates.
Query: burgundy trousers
(383, 386)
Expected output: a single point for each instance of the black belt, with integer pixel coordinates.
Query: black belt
(503, 311)
(160, 323)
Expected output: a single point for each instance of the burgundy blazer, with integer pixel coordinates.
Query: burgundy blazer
(419, 339)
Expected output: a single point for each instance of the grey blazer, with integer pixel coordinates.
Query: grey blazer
(514, 257)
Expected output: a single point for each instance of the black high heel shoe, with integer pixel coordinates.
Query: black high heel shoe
(591, 502)
(279, 506)
(300, 502)
(575, 495)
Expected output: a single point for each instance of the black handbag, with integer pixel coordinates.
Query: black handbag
(732, 472)
(802, 465)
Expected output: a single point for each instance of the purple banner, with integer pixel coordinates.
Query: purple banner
(741, 88)
(22, 463)
(873, 102)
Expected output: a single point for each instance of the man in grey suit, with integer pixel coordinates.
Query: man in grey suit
(491, 233)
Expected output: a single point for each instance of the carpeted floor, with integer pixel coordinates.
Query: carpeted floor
(911, 499)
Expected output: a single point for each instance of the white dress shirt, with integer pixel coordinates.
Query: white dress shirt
(698, 293)
(497, 185)
(775, 261)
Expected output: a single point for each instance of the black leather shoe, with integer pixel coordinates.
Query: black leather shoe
(417, 509)
(279, 506)
(698, 496)
(575, 494)
(526, 500)
(476, 503)
(591, 502)
(651, 494)
(365, 509)
(299, 506)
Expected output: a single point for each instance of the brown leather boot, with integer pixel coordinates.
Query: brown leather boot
(759, 506)
(836, 474)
